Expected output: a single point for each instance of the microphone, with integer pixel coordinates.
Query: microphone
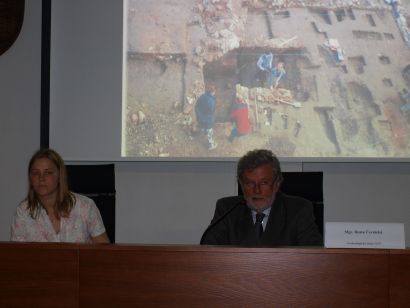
(216, 221)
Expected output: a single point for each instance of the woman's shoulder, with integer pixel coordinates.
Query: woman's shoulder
(23, 203)
(83, 201)
(22, 208)
(83, 206)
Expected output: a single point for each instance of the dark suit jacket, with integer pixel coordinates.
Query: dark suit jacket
(291, 223)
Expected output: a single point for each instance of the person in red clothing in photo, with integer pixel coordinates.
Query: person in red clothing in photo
(240, 115)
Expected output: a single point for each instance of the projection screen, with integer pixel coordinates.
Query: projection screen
(334, 83)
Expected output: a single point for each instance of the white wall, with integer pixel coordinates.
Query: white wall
(172, 202)
(366, 192)
(86, 79)
(168, 202)
(19, 112)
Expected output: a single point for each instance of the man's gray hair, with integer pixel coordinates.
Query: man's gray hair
(256, 158)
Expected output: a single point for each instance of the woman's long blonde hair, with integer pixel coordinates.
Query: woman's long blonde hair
(65, 199)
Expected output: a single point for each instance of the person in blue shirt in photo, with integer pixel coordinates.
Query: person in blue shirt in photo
(264, 68)
(205, 114)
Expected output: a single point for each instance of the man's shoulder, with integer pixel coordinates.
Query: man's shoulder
(293, 202)
(231, 198)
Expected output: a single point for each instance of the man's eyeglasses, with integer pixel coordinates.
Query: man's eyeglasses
(263, 185)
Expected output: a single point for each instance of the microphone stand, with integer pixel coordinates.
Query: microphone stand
(212, 224)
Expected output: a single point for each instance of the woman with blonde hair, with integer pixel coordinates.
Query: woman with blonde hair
(51, 212)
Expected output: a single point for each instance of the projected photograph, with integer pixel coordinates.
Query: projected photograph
(311, 79)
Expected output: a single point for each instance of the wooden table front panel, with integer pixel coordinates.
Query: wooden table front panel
(212, 277)
(38, 275)
(400, 278)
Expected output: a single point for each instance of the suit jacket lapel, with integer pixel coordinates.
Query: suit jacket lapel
(272, 234)
(247, 235)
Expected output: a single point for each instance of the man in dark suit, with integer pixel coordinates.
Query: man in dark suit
(264, 216)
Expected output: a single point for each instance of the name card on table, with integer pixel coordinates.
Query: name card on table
(364, 235)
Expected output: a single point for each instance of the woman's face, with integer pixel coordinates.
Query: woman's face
(44, 178)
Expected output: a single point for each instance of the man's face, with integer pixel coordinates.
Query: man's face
(259, 186)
